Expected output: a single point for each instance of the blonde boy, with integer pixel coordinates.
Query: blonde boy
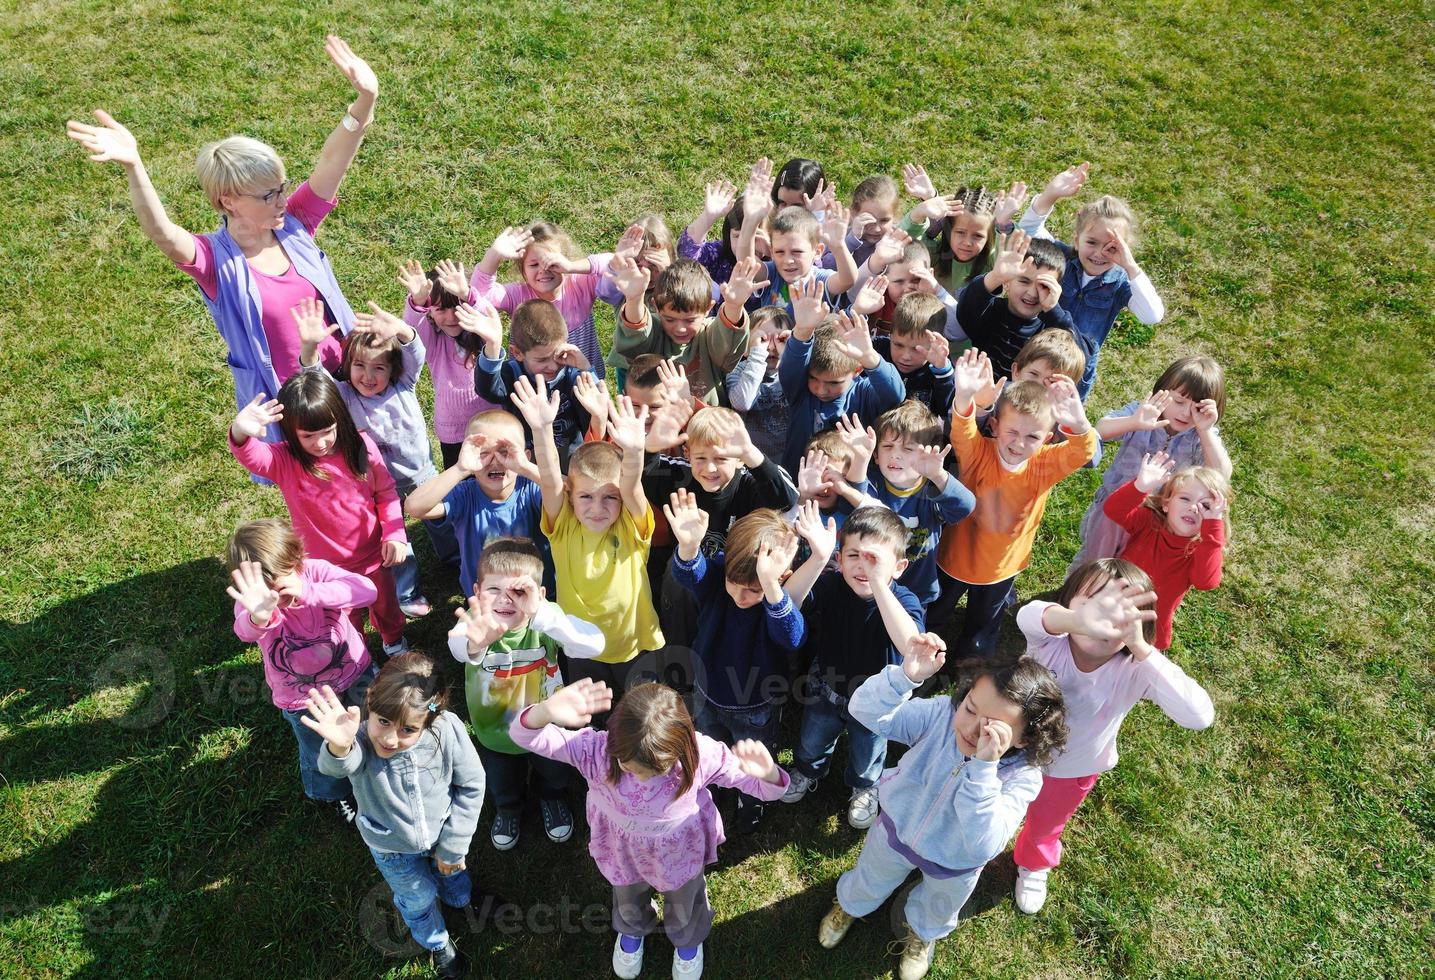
(1011, 475)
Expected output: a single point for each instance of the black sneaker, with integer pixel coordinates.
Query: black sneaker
(557, 820)
(449, 962)
(748, 815)
(504, 832)
(347, 809)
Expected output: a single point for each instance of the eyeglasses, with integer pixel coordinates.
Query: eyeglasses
(270, 196)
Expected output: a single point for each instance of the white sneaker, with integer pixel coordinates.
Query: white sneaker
(862, 808)
(396, 648)
(916, 957)
(688, 969)
(626, 965)
(1031, 889)
(799, 787)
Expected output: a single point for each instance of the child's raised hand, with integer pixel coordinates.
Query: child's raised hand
(761, 170)
(994, 740)
(924, 656)
(812, 475)
(452, 278)
(1011, 256)
(630, 244)
(628, 427)
(857, 225)
(1068, 182)
(688, 521)
(253, 593)
(107, 141)
(939, 350)
(1124, 258)
(330, 719)
(852, 337)
(936, 208)
(757, 197)
(929, 461)
(482, 321)
(918, 184)
(834, 226)
(668, 424)
(413, 278)
(569, 355)
(731, 439)
(890, 247)
(1215, 508)
(379, 322)
(393, 553)
(872, 296)
(255, 418)
(1008, 203)
(538, 407)
(1048, 287)
(676, 386)
(1148, 414)
(1155, 470)
(823, 201)
(511, 456)
(1066, 407)
(593, 397)
(1205, 414)
(479, 626)
(862, 439)
(972, 375)
(926, 282)
(808, 306)
(754, 759)
(630, 278)
(717, 199)
(309, 319)
(471, 452)
(1110, 611)
(820, 537)
(747, 278)
(511, 243)
(574, 705)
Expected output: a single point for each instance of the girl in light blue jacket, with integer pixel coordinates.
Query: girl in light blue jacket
(957, 796)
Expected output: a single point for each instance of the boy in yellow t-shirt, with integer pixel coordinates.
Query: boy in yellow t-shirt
(599, 528)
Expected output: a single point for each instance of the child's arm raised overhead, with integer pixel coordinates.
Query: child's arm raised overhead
(1213, 450)
(745, 280)
(1125, 506)
(626, 428)
(883, 702)
(539, 409)
(821, 540)
(481, 320)
(1065, 184)
(717, 202)
(834, 235)
(595, 401)
(756, 206)
(632, 281)
(1011, 261)
(785, 624)
(862, 441)
(309, 320)
(246, 436)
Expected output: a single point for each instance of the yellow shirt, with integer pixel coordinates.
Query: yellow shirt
(603, 578)
(994, 541)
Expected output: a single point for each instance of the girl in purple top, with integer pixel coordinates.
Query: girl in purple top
(654, 826)
(262, 261)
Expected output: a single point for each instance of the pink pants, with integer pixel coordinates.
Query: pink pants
(1038, 846)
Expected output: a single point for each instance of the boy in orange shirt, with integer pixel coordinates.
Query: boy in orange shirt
(1010, 474)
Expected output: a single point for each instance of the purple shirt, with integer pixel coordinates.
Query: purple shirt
(640, 833)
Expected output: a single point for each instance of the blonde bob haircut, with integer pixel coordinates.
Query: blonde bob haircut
(237, 165)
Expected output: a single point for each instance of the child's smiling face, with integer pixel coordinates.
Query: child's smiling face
(370, 372)
(1097, 249)
(596, 505)
(538, 273)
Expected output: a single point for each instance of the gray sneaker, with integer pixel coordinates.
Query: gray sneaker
(862, 808)
(799, 787)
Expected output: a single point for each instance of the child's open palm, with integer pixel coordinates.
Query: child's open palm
(824, 201)
(1154, 472)
(754, 759)
(852, 337)
(379, 322)
(628, 277)
(936, 208)
(757, 196)
(1007, 203)
(511, 243)
(1066, 407)
(939, 350)
(413, 278)
(676, 386)
(872, 296)
(889, 249)
(773, 561)
(812, 475)
(747, 278)
(1068, 182)
(537, 406)
(483, 322)
(330, 719)
(1107, 614)
(1011, 258)
(924, 656)
(834, 225)
(627, 427)
(688, 521)
(452, 278)
(630, 243)
(309, 320)
(1148, 414)
(861, 439)
(929, 461)
(820, 537)
(255, 418)
(593, 397)
(574, 705)
(717, 199)
(253, 593)
(918, 184)
(972, 375)
(480, 627)
(808, 306)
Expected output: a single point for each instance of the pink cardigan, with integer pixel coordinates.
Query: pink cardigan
(454, 399)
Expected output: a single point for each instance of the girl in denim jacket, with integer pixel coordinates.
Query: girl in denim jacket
(957, 796)
(1101, 277)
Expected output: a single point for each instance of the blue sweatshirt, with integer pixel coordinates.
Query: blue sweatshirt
(494, 380)
(742, 653)
(869, 395)
(925, 510)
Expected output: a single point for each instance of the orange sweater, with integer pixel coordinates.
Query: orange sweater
(994, 542)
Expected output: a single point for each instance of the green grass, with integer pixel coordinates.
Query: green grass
(1279, 156)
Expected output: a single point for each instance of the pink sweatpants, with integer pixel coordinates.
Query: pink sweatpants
(1038, 846)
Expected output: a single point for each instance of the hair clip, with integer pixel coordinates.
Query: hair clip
(433, 706)
(977, 201)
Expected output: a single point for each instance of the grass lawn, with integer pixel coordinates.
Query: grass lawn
(1279, 153)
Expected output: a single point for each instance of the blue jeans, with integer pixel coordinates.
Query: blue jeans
(416, 884)
(406, 573)
(318, 786)
(727, 725)
(822, 722)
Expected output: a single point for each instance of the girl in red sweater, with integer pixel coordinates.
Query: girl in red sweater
(1178, 531)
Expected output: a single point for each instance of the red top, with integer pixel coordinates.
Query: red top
(1175, 564)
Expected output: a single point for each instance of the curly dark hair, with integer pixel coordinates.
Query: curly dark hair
(1033, 687)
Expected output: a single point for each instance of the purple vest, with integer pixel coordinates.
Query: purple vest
(236, 308)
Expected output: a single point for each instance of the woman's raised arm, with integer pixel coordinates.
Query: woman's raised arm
(343, 143)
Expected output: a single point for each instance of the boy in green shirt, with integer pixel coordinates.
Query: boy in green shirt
(509, 639)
